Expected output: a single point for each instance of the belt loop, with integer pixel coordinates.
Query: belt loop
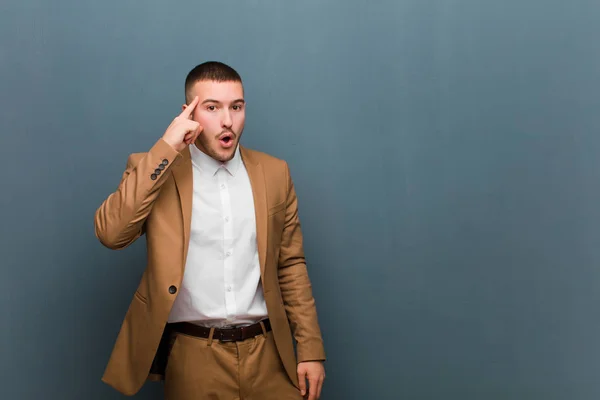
(262, 325)
(210, 335)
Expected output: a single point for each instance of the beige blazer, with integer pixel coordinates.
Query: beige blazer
(154, 198)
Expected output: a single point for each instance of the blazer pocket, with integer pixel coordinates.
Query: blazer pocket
(277, 208)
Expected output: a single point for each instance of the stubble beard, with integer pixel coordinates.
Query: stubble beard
(205, 145)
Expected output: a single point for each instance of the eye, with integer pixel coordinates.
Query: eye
(211, 108)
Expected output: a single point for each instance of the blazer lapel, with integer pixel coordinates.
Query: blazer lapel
(259, 193)
(183, 176)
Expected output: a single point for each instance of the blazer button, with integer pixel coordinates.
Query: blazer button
(157, 171)
(165, 162)
(153, 177)
(172, 289)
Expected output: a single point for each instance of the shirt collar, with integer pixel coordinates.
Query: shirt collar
(210, 166)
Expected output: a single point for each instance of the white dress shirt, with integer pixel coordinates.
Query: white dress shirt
(221, 284)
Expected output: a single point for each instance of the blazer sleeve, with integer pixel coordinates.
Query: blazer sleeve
(120, 219)
(295, 285)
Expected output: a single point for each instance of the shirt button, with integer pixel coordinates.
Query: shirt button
(228, 253)
(222, 186)
(229, 288)
(226, 219)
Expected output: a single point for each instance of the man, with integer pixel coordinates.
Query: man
(226, 284)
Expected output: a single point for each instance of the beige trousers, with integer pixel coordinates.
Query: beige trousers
(201, 369)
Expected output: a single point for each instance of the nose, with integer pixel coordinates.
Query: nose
(226, 121)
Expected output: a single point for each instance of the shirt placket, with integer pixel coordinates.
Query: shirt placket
(228, 266)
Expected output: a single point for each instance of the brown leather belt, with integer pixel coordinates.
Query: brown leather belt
(221, 334)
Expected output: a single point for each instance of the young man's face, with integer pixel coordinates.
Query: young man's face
(221, 113)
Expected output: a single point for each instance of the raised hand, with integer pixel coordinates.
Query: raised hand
(183, 131)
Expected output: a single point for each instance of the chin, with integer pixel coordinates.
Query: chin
(225, 155)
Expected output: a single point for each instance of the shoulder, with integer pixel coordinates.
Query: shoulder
(262, 157)
(267, 161)
(275, 170)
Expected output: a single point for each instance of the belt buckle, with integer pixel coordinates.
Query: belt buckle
(229, 335)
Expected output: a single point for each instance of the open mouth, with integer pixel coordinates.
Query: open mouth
(226, 140)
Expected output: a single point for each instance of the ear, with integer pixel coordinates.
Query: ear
(183, 107)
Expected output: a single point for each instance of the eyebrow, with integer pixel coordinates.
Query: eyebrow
(218, 102)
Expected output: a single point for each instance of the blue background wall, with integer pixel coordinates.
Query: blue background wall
(445, 155)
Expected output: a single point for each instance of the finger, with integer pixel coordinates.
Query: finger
(312, 389)
(320, 387)
(198, 132)
(189, 134)
(302, 382)
(188, 129)
(190, 108)
(192, 126)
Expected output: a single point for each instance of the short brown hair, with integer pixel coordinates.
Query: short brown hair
(210, 71)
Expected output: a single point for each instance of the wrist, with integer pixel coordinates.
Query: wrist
(173, 145)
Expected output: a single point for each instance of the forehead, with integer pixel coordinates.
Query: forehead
(220, 91)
